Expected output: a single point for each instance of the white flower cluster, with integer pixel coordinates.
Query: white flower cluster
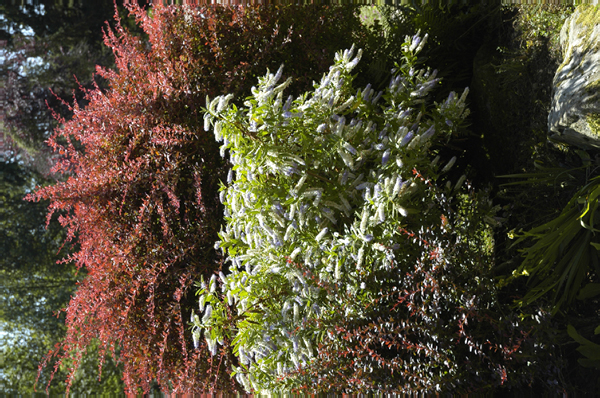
(319, 187)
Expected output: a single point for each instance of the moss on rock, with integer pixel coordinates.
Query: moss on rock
(588, 17)
(594, 123)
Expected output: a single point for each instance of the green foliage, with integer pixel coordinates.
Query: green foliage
(553, 264)
(338, 234)
(565, 249)
(590, 350)
(542, 22)
(511, 85)
(561, 262)
(50, 66)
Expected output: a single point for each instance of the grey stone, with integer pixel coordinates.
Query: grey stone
(575, 111)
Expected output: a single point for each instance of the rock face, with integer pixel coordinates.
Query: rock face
(575, 114)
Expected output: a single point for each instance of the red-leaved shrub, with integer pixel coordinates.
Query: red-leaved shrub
(140, 178)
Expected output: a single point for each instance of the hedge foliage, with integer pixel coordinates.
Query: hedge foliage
(140, 178)
(353, 266)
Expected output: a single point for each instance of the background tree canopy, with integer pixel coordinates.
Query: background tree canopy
(65, 42)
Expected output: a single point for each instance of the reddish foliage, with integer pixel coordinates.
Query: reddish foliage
(142, 177)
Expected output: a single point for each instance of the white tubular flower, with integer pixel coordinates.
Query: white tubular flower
(288, 232)
(387, 185)
(402, 211)
(295, 253)
(321, 234)
(223, 101)
(352, 64)
(212, 344)
(428, 134)
(218, 128)
(414, 42)
(381, 212)
(451, 98)
(207, 122)
(347, 54)
(460, 181)
(318, 193)
(397, 187)
(379, 247)
(207, 314)
(346, 158)
(196, 339)
(449, 165)
(345, 105)
(243, 381)
(293, 208)
(213, 103)
(308, 345)
(350, 148)
(377, 190)
(361, 257)
(285, 309)
(278, 102)
(201, 302)
(294, 359)
(463, 97)
(253, 126)
(243, 358)
(338, 271)
(385, 157)
(376, 99)
(213, 283)
(300, 183)
(366, 92)
(277, 75)
(364, 220)
(296, 313)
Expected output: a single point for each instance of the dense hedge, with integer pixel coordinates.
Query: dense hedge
(356, 265)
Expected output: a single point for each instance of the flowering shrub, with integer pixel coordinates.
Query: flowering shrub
(353, 267)
(141, 180)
